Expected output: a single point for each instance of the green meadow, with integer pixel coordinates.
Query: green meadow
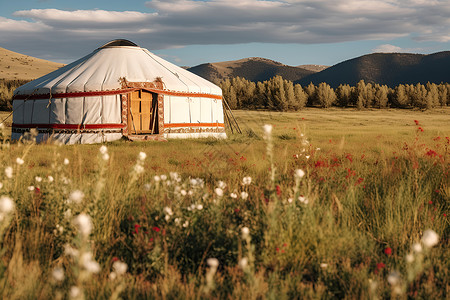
(335, 203)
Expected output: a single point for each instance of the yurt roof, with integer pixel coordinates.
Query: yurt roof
(103, 69)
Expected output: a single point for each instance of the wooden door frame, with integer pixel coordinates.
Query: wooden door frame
(126, 98)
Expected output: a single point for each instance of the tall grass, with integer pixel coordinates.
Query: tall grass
(7, 88)
(241, 218)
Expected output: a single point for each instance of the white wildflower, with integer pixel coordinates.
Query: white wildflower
(243, 263)
(156, 178)
(147, 187)
(183, 193)
(394, 278)
(244, 195)
(6, 205)
(84, 224)
(167, 218)
(233, 195)
(186, 224)
(219, 191)
(303, 200)
(222, 184)
(70, 251)
(163, 177)
(307, 156)
(299, 173)
(190, 193)
(103, 149)
(120, 267)
(105, 156)
(267, 129)
(177, 221)
(88, 262)
(1, 185)
(193, 182)
(168, 211)
(317, 149)
(430, 238)
(30, 188)
(19, 161)
(9, 172)
(193, 206)
(173, 175)
(112, 275)
(38, 179)
(76, 197)
(417, 248)
(50, 178)
(142, 156)
(213, 263)
(58, 274)
(290, 200)
(409, 258)
(245, 232)
(66, 161)
(324, 265)
(199, 207)
(247, 180)
(138, 169)
(75, 292)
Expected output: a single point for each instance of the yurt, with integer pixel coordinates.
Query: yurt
(118, 90)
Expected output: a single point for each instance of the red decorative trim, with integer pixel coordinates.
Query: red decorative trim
(115, 92)
(71, 95)
(172, 125)
(70, 126)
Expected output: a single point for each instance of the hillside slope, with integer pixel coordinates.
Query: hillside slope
(23, 67)
(253, 69)
(391, 69)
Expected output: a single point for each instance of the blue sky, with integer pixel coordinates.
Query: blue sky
(189, 33)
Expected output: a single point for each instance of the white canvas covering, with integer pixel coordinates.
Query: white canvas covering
(82, 102)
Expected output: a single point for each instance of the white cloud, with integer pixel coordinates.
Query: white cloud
(387, 48)
(171, 23)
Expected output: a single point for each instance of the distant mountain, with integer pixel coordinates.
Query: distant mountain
(253, 69)
(390, 69)
(18, 66)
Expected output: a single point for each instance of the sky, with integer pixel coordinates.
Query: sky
(189, 33)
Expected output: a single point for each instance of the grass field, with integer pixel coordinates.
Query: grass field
(328, 204)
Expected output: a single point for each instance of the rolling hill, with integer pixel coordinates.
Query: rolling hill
(253, 69)
(390, 69)
(23, 67)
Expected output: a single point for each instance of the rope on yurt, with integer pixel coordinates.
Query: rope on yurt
(234, 121)
(19, 106)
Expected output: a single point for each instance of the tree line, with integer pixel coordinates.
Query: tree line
(283, 95)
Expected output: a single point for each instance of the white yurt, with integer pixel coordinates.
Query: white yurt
(118, 90)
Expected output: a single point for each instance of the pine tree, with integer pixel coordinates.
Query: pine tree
(343, 94)
(325, 95)
(300, 97)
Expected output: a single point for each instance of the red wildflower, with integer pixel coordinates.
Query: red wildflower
(243, 158)
(37, 190)
(445, 214)
(285, 245)
(236, 210)
(319, 164)
(416, 121)
(349, 157)
(431, 153)
(388, 251)
(278, 190)
(156, 229)
(430, 202)
(277, 249)
(420, 129)
(359, 181)
(115, 258)
(380, 265)
(136, 228)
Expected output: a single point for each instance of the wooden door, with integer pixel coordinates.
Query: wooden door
(142, 116)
